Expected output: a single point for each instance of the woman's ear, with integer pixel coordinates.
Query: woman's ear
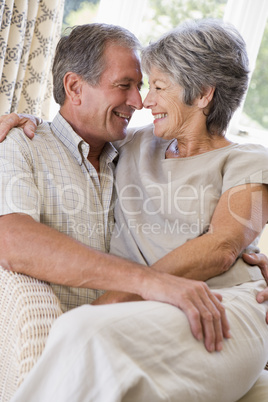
(206, 97)
(73, 87)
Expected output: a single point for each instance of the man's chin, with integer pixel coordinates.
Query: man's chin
(118, 135)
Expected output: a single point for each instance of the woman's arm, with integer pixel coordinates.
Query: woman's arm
(238, 219)
(262, 261)
(28, 122)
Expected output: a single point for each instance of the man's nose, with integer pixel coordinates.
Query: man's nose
(134, 99)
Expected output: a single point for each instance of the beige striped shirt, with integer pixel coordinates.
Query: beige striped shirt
(50, 179)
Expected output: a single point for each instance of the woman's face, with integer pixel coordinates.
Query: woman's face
(171, 116)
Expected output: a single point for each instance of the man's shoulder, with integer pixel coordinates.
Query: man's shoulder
(18, 138)
(17, 145)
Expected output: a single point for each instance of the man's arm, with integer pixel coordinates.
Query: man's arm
(29, 247)
(206, 256)
(37, 250)
(239, 235)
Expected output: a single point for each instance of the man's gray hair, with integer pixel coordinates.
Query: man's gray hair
(82, 52)
(202, 54)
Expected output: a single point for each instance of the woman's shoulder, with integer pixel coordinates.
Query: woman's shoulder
(245, 163)
(248, 152)
(249, 148)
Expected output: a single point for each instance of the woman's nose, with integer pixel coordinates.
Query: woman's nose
(148, 101)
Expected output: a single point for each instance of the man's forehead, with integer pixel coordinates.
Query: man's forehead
(117, 53)
(127, 79)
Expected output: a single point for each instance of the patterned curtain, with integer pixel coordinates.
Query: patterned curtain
(29, 33)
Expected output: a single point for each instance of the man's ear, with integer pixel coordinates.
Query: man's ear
(206, 97)
(73, 87)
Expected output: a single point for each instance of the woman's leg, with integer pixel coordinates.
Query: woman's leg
(144, 351)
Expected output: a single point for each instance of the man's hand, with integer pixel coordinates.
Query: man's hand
(262, 261)
(27, 122)
(205, 313)
(203, 309)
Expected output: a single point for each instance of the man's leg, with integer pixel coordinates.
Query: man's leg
(144, 351)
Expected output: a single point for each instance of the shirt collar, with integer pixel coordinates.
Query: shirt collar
(76, 145)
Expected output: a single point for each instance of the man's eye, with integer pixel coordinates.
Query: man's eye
(124, 86)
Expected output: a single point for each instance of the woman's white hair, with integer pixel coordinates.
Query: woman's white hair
(202, 54)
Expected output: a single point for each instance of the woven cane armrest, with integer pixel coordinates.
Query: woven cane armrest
(28, 308)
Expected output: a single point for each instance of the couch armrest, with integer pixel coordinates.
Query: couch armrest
(28, 308)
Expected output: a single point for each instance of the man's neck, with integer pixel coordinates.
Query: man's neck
(96, 145)
(94, 157)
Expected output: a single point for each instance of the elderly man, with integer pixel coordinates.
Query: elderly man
(57, 190)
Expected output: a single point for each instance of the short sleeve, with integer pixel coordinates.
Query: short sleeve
(247, 163)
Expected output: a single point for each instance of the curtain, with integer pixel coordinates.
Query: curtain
(30, 30)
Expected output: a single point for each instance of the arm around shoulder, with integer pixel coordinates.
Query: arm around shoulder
(28, 122)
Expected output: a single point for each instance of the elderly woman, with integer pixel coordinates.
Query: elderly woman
(182, 179)
(192, 201)
(183, 183)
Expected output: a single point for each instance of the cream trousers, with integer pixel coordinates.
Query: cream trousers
(145, 352)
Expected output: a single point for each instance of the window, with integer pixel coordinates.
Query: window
(254, 118)
(163, 15)
(78, 12)
(148, 19)
(250, 124)
(250, 18)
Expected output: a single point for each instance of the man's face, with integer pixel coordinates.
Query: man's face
(107, 107)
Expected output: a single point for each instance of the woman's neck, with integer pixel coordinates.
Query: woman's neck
(191, 145)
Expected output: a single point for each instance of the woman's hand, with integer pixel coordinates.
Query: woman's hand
(262, 261)
(28, 122)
